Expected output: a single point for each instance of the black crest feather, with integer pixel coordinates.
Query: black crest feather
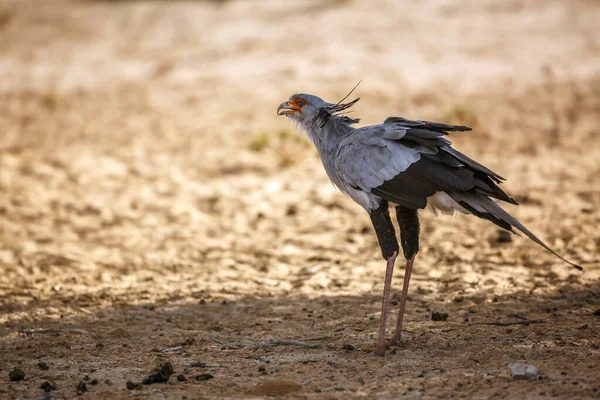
(337, 109)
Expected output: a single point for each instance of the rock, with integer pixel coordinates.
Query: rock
(519, 370)
(197, 364)
(17, 374)
(203, 377)
(47, 386)
(181, 378)
(43, 366)
(133, 385)
(438, 316)
(597, 313)
(160, 374)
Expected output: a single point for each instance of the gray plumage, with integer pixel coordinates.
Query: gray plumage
(405, 162)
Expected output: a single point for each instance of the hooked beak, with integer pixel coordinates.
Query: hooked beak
(286, 108)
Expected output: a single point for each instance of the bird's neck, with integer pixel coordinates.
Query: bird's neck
(327, 136)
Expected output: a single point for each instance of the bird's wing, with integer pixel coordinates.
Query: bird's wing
(405, 162)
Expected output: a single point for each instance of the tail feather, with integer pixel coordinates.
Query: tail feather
(484, 207)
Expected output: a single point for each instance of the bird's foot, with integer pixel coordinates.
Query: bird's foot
(381, 349)
(396, 340)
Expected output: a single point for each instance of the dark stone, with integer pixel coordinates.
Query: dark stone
(198, 364)
(160, 374)
(438, 316)
(203, 377)
(17, 374)
(47, 386)
(133, 385)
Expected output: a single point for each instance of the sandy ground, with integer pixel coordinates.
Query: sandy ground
(151, 200)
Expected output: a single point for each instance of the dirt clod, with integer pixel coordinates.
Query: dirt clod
(203, 377)
(48, 386)
(43, 366)
(17, 374)
(132, 385)
(160, 374)
(197, 364)
(439, 316)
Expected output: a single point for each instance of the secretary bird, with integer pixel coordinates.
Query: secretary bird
(408, 163)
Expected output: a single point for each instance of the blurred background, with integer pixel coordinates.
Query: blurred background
(142, 163)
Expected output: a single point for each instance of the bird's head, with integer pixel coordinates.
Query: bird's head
(301, 107)
(307, 109)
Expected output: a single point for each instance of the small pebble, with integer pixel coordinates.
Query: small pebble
(43, 366)
(203, 377)
(198, 364)
(130, 385)
(47, 386)
(438, 316)
(181, 378)
(519, 370)
(160, 374)
(17, 374)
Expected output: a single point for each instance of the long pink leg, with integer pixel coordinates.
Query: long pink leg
(389, 272)
(407, 272)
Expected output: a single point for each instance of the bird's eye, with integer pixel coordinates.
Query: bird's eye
(300, 103)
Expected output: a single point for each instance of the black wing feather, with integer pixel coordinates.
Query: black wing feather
(431, 126)
(422, 179)
(446, 170)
